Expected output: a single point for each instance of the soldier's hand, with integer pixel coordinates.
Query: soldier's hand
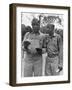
(60, 68)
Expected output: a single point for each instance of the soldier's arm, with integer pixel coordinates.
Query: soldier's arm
(60, 45)
(44, 46)
(25, 39)
(26, 44)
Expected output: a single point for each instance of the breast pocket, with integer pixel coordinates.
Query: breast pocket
(54, 41)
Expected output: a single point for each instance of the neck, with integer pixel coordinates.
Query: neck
(36, 32)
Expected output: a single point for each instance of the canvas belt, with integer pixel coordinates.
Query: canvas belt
(52, 55)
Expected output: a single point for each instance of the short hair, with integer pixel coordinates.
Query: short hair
(35, 21)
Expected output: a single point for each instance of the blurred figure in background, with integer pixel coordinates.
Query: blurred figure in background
(24, 30)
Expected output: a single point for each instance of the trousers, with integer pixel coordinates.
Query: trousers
(51, 66)
(32, 66)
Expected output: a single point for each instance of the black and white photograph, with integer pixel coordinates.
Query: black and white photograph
(42, 44)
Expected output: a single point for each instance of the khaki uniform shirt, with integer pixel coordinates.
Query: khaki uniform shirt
(54, 47)
(36, 42)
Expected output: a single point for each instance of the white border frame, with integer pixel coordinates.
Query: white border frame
(63, 77)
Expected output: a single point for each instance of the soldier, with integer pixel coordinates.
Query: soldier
(33, 46)
(53, 45)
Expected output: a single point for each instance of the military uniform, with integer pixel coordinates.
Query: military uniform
(33, 61)
(54, 58)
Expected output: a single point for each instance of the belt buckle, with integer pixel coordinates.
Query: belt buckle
(52, 55)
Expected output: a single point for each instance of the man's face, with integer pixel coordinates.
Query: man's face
(36, 27)
(50, 29)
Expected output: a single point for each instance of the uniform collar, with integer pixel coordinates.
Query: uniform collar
(36, 33)
(52, 36)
